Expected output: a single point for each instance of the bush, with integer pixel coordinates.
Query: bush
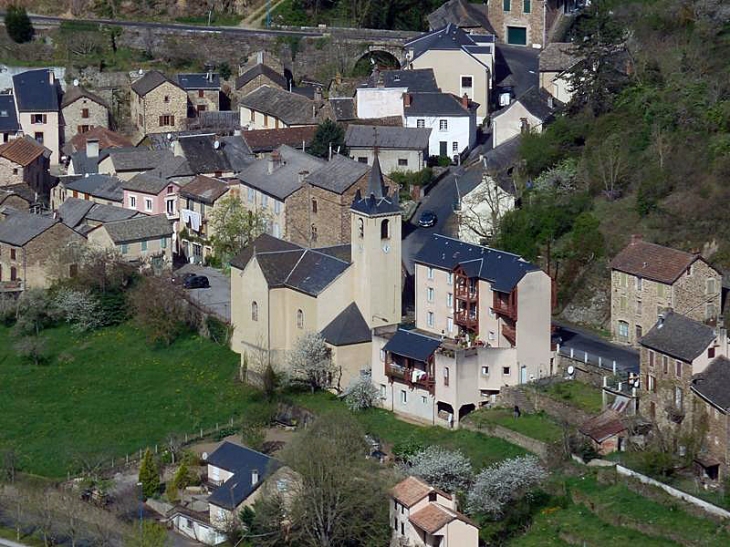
(407, 179)
(449, 470)
(18, 24)
(79, 308)
(361, 394)
(149, 475)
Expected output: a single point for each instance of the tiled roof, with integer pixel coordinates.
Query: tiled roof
(606, 424)
(348, 328)
(20, 228)
(101, 186)
(502, 269)
(205, 189)
(398, 138)
(151, 80)
(35, 92)
(137, 159)
(290, 108)
(204, 156)
(412, 490)
(258, 70)
(557, 57)
(23, 150)
(146, 183)
(437, 104)
(139, 228)
(432, 518)
(266, 140)
(451, 37)
(462, 13)
(199, 81)
(76, 92)
(652, 261)
(286, 177)
(713, 384)
(73, 210)
(8, 116)
(343, 108)
(338, 174)
(679, 337)
(107, 139)
(420, 80)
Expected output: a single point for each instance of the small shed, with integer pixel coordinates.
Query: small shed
(607, 432)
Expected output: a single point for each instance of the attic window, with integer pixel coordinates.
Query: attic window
(3, 113)
(167, 98)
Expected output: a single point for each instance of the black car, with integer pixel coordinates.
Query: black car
(182, 279)
(427, 219)
(196, 282)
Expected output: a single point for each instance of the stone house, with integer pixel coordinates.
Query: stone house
(104, 137)
(647, 279)
(213, 156)
(672, 352)
(37, 100)
(606, 432)
(265, 141)
(196, 203)
(9, 126)
(27, 244)
(423, 516)
(158, 105)
(555, 62)
(529, 113)
(257, 76)
(23, 160)
(203, 91)
(466, 15)
(126, 163)
(82, 214)
(526, 22)
(17, 198)
(398, 148)
(81, 111)
(142, 239)
(103, 189)
(273, 108)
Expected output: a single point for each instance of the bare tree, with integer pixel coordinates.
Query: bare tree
(161, 310)
(608, 164)
(483, 208)
(310, 362)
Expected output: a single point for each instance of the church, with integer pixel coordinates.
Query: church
(280, 290)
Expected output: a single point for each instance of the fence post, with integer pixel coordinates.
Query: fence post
(585, 357)
(571, 353)
(614, 368)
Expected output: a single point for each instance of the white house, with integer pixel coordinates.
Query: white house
(482, 208)
(382, 95)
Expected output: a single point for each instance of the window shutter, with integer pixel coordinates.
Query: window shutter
(161, 121)
(45, 118)
(172, 120)
(78, 129)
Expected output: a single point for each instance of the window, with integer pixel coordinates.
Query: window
(420, 122)
(144, 245)
(492, 336)
(313, 230)
(147, 204)
(170, 189)
(710, 312)
(455, 146)
(124, 248)
(430, 273)
(382, 355)
(485, 371)
(276, 230)
(362, 159)
(429, 294)
(167, 119)
(711, 353)
(402, 529)
(506, 5)
(638, 283)
(38, 136)
(678, 397)
(651, 358)
(678, 369)
(506, 371)
(314, 205)
(450, 278)
(254, 311)
(395, 520)
(443, 125)
(689, 270)
(197, 250)
(623, 280)
(450, 300)
(84, 112)
(15, 170)
(360, 227)
(665, 364)
(450, 324)
(639, 332)
(167, 98)
(264, 200)
(402, 162)
(395, 506)
(526, 6)
(711, 286)
(639, 308)
(623, 330)
(133, 202)
(252, 116)
(660, 290)
(385, 229)
(170, 206)
(403, 396)
(652, 410)
(300, 319)
(12, 254)
(163, 243)
(266, 120)
(446, 376)
(622, 303)
(201, 94)
(251, 195)
(429, 319)
(140, 120)
(38, 119)
(651, 383)
(277, 206)
(466, 81)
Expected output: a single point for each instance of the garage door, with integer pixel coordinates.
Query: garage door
(517, 36)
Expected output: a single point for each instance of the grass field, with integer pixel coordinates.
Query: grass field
(481, 449)
(579, 394)
(109, 393)
(537, 426)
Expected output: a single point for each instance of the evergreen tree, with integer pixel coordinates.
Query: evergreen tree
(328, 132)
(149, 475)
(18, 24)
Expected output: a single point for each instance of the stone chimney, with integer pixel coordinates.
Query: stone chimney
(635, 238)
(317, 93)
(303, 175)
(465, 101)
(407, 99)
(92, 148)
(274, 161)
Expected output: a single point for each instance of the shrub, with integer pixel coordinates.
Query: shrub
(361, 394)
(18, 24)
(449, 470)
(149, 475)
(79, 308)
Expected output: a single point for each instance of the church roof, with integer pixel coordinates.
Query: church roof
(376, 201)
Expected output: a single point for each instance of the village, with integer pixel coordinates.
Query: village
(291, 279)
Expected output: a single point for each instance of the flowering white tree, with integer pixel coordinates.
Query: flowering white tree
(80, 308)
(361, 394)
(495, 486)
(310, 362)
(448, 470)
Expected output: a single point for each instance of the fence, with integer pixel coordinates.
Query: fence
(617, 368)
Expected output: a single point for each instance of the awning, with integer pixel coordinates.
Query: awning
(412, 345)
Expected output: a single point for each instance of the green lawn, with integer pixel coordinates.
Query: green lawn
(579, 394)
(481, 449)
(537, 426)
(109, 393)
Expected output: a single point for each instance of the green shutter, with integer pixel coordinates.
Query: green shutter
(506, 5)
(144, 245)
(163, 243)
(124, 248)
(527, 6)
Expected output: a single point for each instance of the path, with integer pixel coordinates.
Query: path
(8, 543)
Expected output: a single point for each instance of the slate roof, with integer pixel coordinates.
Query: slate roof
(412, 344)
(652, 261)
(139, 228)
(437, 104)
(266, 140)
(241, 462)
(22, 151)
(290, 108)
(603, 426)
(76, 92)
(172, 167)
(20, 228)
(536, 101)
(101, 212)
(146, 183)
(258, 70)
(343, 108)
(376, 201)
(679, 337)
(100, 186)
(199, 81)
(137, 159)
(151, 80)
(451, 37)
(417, 80)
(348, 328)
(83, 164)
(557, 57)
(107, 139)
(387, 138)
(34, 91)
(73, 211)
(8, 117)
(219, 120)
(338, 175)
(502, 269)
(461, 13)
(204, 157)
(411, 490)
(205, 189)
(285, 179)
(713, 384)
(263, 244)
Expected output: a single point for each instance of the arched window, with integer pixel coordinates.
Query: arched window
(300, 319)
(360, 227)
(385, 229)
(254, 311)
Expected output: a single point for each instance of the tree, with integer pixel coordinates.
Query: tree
(32, 348)
(361, 394)
(150, 534)
(35, 311)
(233, 227)
(8, 465)
(446, 469)
(224, 69)
(587, 239)
(483, 208)
(310, 362)
(79, 308)
(328, 133)
(149, 475)
(182, 478)
(18, 24)
(496, 486)
(161, 310)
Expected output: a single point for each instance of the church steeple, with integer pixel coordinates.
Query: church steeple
(376, 201)
(375, 180)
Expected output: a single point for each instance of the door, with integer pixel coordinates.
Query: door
(523, 374)
(517, 36)
(443, 148)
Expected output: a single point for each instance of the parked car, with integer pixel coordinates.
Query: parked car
(197, 282)
(182, 279)
(427, 219)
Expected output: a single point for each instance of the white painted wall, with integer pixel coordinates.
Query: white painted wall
(380, 102)
(460, 129)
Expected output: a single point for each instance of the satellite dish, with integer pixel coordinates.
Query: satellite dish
(140, 72)
(76, 82)
(571, 370)
(204, 456)
(169, 136)
(217, 144)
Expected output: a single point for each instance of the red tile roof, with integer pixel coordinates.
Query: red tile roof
(265, 140)
(107, 139)
(412, 490)
(22, 151)
(435, 516)
(652, 261)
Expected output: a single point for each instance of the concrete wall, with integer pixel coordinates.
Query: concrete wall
(534, 307)
(379, 102)
(557, 84)
(73, 117)
(442, 284)
(254, 200)
(461, 130)
(508, 124)
(389, 159)
(159, 201)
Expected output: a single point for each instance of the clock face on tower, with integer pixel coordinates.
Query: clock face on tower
(386, 248)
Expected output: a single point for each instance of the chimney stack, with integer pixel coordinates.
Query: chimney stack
(635, 238)
(92, 148)
(274, 161)
(51, 77)
(254, 477)
(303, 175)
(317, 93)
(465, 101)
(407, 99)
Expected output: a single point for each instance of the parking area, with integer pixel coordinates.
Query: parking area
(217, 298)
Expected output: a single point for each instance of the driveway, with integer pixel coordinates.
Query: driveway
(583, 342)
(218, 297)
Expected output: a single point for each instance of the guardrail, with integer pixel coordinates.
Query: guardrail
(582, 356)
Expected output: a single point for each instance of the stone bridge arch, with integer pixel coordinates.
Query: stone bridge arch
(386, 55)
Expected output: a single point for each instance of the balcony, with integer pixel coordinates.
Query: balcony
(11, 286)
(466, 316)
(510, 334)
(412, 376)
(464, 292)
(506, 308)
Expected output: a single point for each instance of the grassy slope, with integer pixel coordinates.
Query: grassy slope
(109, 394)
(536, 426)
(582, 395)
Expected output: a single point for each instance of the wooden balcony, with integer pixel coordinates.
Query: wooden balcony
(506, 307)
(466, 293)
(407, 376)
(510, 334)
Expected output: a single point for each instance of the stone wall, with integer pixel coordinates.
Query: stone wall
(542, 450)
(73, 117)
(153, 106)
(254, 84)
(210, 101)
(530, 399)
(533, 21)
(691, 294)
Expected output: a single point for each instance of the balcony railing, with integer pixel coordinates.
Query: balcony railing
(464, 292)
(466, 317)
(410, 376)
(504, 308)
(510, 334)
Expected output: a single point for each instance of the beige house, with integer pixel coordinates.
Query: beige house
(529, 113)
(647, 279)
(23, 160)
(37, 100)
(158, 105)
(423, 516)
(462, 63)
(82, 111)
(126, 163)
(271, 107)
(483, 321)
(280, 290)
(196, 203)
(555, 62)
(142, 239)
(27, 243)
(203, 89)
(259, 75)
(400, 149)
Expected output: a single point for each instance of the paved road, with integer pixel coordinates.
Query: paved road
(218, 297)
(8, 543)
(583, 342)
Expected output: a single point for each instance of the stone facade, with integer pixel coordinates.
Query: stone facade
(204, 100)
(144, 250)
(163, 109)
(254, 84)
(636, 302)
(82, 115)
(34, 174)
(716, 426)
(537, 17)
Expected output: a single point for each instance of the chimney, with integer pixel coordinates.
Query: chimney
(303, 175)
(274, 161)
(260, 58)
(317, 93)
(92, 148)
(406, 100)
(51, 77)
(635, 238)
(254, 477)
(465, 101)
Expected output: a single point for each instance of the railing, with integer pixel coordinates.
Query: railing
(504, 308)
(464, 292)
(510, 334)
(395, 371)
(407, 376)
